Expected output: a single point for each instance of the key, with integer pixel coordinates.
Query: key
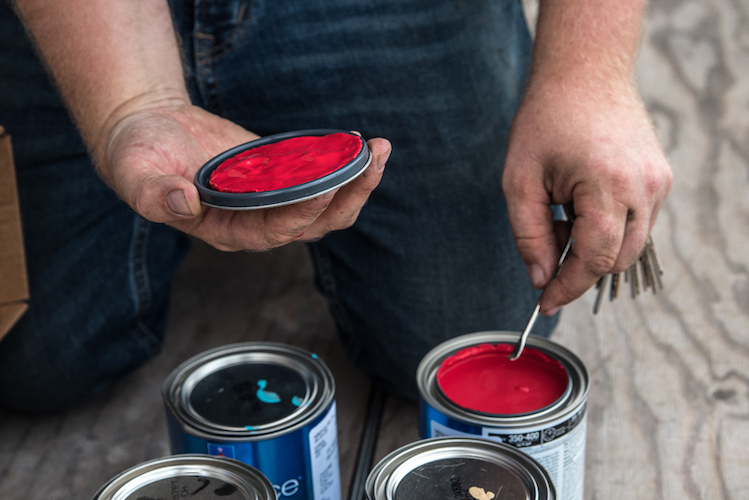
(652, 272)
(646, 283)
(656, 262)
(633, 273)
(601, 286)
(655, 257)
(614, 287)
(644, 273)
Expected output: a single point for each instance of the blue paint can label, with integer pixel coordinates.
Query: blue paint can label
(268, 405)
(323, 445)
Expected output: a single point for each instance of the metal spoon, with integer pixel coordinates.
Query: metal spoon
(524, 336)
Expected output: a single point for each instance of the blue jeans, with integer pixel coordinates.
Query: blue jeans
(430, 257)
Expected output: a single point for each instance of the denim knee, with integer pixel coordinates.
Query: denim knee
(98, 310)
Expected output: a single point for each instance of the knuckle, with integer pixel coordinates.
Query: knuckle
(622, 180)
(282, 227)
(319, 232)
(655, 182)
(370, 180)
(618, 267)
(600, 263)
(143, 206)
(345, 221)
(310, 211)
(566, 291)
(311, 238)
(275, 239)
(224, 243)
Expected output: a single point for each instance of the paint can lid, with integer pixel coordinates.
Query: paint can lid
(248, 390)
(201, 477)
(463, 468)
(282, 196)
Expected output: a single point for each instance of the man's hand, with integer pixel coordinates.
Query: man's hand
(152, 155)
(582, 138)
(118, 67)
(593, 150)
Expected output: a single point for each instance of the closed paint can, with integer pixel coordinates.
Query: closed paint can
(458, 468)
(269, 405)
(551, 429)
(199, 477)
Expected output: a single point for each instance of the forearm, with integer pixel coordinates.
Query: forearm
(107, 57)
(587, 42)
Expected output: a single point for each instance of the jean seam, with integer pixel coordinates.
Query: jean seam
(205, 76)
(142, 293)
(234, 40)
(206, 54)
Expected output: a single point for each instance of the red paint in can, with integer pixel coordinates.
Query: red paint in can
(482, 378)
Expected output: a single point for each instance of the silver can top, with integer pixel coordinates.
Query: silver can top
(253, 390)
(458, 468)
(201, 477)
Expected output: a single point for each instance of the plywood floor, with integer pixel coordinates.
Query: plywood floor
(669, 402)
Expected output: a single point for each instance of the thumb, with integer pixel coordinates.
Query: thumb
(167, 198)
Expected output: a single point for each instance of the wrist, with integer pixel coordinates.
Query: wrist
(102, 136)
(580, 90)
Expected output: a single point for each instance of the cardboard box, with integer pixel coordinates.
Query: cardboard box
(14, 286)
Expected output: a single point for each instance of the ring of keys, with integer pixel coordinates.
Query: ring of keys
(645, 273)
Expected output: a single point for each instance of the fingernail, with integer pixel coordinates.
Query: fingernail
(553, 311)
(536, 273)
(178, 203)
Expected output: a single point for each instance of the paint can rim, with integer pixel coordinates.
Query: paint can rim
(252, 483)
(568, 405)
(176, 389)
(386, 477)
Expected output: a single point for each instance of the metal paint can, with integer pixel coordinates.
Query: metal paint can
(458, 468)
(554, 435)
(269, 405)
(199, 477)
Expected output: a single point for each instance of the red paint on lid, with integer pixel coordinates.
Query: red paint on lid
(482, 378)
(285, 163)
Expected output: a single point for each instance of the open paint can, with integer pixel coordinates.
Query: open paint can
(537, 403)
(458, 468)
(282, 169)
(198, 477)
(269, 405)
